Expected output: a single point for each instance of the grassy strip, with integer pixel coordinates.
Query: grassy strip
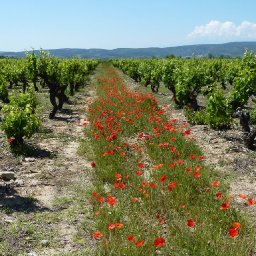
(153, 194)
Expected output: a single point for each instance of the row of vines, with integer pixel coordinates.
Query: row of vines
(227, 87)
(21, 79)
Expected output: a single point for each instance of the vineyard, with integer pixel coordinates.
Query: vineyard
(227, 88)
(95, 161)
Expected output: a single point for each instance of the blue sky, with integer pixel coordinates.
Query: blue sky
(109, 24)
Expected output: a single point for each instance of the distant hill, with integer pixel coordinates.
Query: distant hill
(234, 49)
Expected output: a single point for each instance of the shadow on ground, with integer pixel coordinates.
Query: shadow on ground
(30, 150)
(10, 201)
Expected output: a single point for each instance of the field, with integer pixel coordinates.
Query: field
(118, 170)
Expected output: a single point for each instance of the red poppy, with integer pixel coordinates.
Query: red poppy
(119, 225)
(153, 185)
(135, 199)
(172, 149)
(187, 132)
(192, 156)
(139, 173)
(159, 242)
(144, 183)
(164, 144)
(162, 179)
(236, 225)
(122, 186)
(250, 201)
(243, 196)
(180, 161)
(191, 223)
(157, 166)
(233, 232)
(201, 158)
(118, 176)
(225, 206)
(97, 235)
(100, 199)
(139, 243)
(131, 238)
(116, 185)
(110, 152)
(171, 165)
(93, 164)
(215, 183)
(172, 185)
(197, 174)
(10, 140)
(140, 165)
(219, 195)
(95, 194)
(111, 200)
(187, 170)
(96, 136)
(111, 226)
(161, 221)
(141, 135)
(147, 137)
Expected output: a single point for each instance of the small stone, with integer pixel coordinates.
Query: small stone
(32, 254)
(29, 159)
(7, 176)
(45, 242)
(10, 169)
(19, 183)
(9, 219)
(34, 183)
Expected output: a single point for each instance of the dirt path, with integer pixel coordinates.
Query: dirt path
(224, 151)
(44, 211)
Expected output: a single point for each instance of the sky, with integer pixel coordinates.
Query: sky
(110, 24)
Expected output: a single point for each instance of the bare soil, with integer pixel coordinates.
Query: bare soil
(48, 194)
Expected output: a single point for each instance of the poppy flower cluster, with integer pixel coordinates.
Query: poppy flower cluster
(233, 231)
(173, 182)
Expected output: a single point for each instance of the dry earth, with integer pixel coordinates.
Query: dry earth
(44, 210)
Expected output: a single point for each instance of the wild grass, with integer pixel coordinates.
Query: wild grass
(153, 193)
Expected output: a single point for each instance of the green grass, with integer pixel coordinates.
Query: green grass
(24, 233)
(182, 192)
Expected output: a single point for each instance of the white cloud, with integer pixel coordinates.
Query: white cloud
(224, 30)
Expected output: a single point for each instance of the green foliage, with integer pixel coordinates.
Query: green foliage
(25, 99)
(190, 78)
(19, 117)
(19, 123)
(245, 82)
(168, 69)
(218, 110)
(3, 91)
(31, 65)
(196, 117)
